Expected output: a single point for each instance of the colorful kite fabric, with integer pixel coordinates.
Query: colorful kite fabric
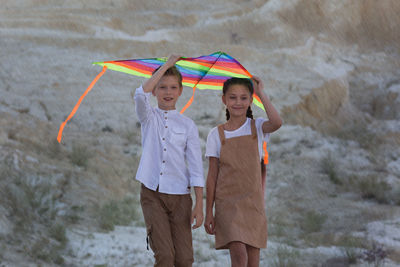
(204, 72)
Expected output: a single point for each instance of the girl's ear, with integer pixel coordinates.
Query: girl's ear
(223, 99)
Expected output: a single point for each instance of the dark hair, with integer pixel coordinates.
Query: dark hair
(172, 71)
(241, 81)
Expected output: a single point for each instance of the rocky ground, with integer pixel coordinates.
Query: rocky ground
(331, 68)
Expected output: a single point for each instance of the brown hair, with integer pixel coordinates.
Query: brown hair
(172, 71)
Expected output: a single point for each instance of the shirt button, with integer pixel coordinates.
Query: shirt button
(166, 126)
(163, 161)
(160, 173)
(165, 149)
(165, 112)
(165, 117)
(163, 139)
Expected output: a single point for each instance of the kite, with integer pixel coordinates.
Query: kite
(204, 72)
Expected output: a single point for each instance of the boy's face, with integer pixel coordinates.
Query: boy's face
(167, 92)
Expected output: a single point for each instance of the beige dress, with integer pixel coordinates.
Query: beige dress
(239, 201)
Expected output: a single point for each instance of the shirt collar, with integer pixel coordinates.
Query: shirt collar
(171, 111)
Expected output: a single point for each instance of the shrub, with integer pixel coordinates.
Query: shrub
(358, 131)
(373, 188)
(44, 250)
(80, 155)
(286, 257)
(312, 222)
(376, 255)
(58, 232)
(118, 213)
(351, 248)
(328, 166)
(29, 202)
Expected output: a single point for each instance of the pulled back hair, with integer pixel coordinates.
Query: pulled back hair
(172, 71)
(241, 81)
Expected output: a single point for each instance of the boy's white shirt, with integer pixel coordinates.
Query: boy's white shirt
(213, 146)
(171, 153)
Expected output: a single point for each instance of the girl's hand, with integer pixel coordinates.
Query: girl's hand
(209, 224)
(172, 59)
(258, 85)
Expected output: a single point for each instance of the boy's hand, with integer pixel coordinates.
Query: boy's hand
(209, 224)
(172, 59)
(197, 214)
(258, 85)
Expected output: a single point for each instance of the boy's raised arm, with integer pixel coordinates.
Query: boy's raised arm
(149, 85)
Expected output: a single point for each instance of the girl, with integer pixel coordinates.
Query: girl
(234, 180)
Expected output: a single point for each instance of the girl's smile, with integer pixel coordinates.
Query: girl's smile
(237, 100)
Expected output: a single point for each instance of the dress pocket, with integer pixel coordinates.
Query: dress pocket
(178, 136)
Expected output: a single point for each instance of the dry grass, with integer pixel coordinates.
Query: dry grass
(312, 222)
(31, 202)
(80, 155)
(358, 131)
(118, 213)
(286, 257)
(329, 167)
(372, 187)
(351, 247)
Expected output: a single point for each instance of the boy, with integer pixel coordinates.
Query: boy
(170, 164)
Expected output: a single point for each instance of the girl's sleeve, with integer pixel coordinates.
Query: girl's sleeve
(262, 137)
(213, 144)
(259, 123)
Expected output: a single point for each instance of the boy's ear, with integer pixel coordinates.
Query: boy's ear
(154, 91)
(180, 90)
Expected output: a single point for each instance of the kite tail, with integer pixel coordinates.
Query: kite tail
(265, 153)
(60, 131)
(189, 102)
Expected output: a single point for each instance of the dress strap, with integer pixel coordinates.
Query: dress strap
(253, 129)
(221, 133)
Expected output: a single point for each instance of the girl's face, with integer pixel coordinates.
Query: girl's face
(237, 100)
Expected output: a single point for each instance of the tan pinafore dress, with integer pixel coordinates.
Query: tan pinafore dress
(239, 207)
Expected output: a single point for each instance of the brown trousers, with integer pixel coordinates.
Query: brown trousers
(169, 232)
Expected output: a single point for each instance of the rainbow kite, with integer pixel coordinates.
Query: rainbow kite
(204, 72)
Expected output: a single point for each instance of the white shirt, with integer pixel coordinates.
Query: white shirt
(171, 154)
(213, 146)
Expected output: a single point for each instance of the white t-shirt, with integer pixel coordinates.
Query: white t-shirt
(213, 146)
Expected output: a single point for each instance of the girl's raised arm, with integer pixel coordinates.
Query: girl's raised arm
(274, 120)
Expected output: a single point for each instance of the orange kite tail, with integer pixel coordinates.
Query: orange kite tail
(60, 131)
(265, 153)
(189, 102)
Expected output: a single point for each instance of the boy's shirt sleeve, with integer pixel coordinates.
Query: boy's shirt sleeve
(194, 158)
(142, 104)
